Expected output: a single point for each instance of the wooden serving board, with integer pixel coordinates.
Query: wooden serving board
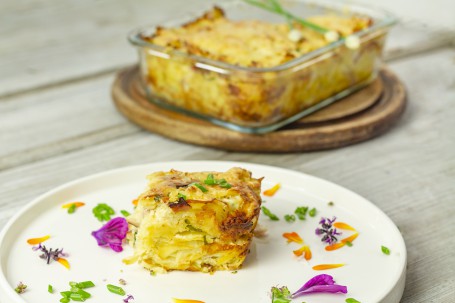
(361, 116)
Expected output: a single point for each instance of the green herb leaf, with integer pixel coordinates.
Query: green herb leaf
(352, 300)
(348, 243)
(301, 212)
(269, 214)
(385, 250)
(50, 289)
(312, 212)
(180, 195)
(202, 188)
(289, 218)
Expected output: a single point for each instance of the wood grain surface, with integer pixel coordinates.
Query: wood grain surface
(358, 117)
(58, 60)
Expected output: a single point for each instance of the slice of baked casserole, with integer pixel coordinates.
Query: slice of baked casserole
(201, 221)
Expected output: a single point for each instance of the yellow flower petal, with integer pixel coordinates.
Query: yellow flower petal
(35, 241)
(68, 205)
(186, 301)
(64, 262)
(271, 191)
(293, 237)
(342, 225)
(326, 266)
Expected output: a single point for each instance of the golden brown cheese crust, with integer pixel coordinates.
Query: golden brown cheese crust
(181, 223)
(255, 98)
(251, 43)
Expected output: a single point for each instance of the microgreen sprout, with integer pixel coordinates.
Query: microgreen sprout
(20, 288)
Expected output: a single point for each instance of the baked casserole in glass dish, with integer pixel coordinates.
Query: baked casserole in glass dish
(254, 70)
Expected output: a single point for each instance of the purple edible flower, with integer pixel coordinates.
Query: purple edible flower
(327, 230)
(128, 298)
(49, 254)
(112, 234)
(318, 284)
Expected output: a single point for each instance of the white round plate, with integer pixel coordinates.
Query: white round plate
(370, 275)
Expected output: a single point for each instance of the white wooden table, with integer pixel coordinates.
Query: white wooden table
(57, 122)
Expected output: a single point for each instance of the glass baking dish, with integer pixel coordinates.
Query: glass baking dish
(262, 99)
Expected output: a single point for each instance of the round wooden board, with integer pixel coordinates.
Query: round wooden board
(358, 117)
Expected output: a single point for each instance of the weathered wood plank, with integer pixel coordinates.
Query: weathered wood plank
(46, 43)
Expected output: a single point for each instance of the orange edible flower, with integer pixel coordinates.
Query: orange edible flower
(135, 201)
(350, 238)
(64, 262)
(293, 237)
(303, 250)
(342, 225)
(326, 266)
(342, 242)
(68, 205)
(186, 301)
(35, 241)
(271, 191)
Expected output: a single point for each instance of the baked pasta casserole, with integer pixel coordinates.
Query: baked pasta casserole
(259, 79)
(201, 221)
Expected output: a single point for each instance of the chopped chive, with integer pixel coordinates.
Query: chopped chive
(50, 289)
(385, 250)
(77, 297)
(74, 289)
(223, 183)
(84, 294)
(202, 188)
(210, 180)
(73, 284)
(180, 195)
(125, 213)
(269, 214)
(72, 208)
(115, 289)
(65, 294)
(64, 300)
(352, 300)
(103, 212)
(85, 284)
(312, 212)
(348, 243)
(289, 218)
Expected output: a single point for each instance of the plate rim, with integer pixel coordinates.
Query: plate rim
(11, 295)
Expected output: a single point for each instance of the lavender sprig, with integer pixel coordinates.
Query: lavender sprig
(329, 233)
(49, 254)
